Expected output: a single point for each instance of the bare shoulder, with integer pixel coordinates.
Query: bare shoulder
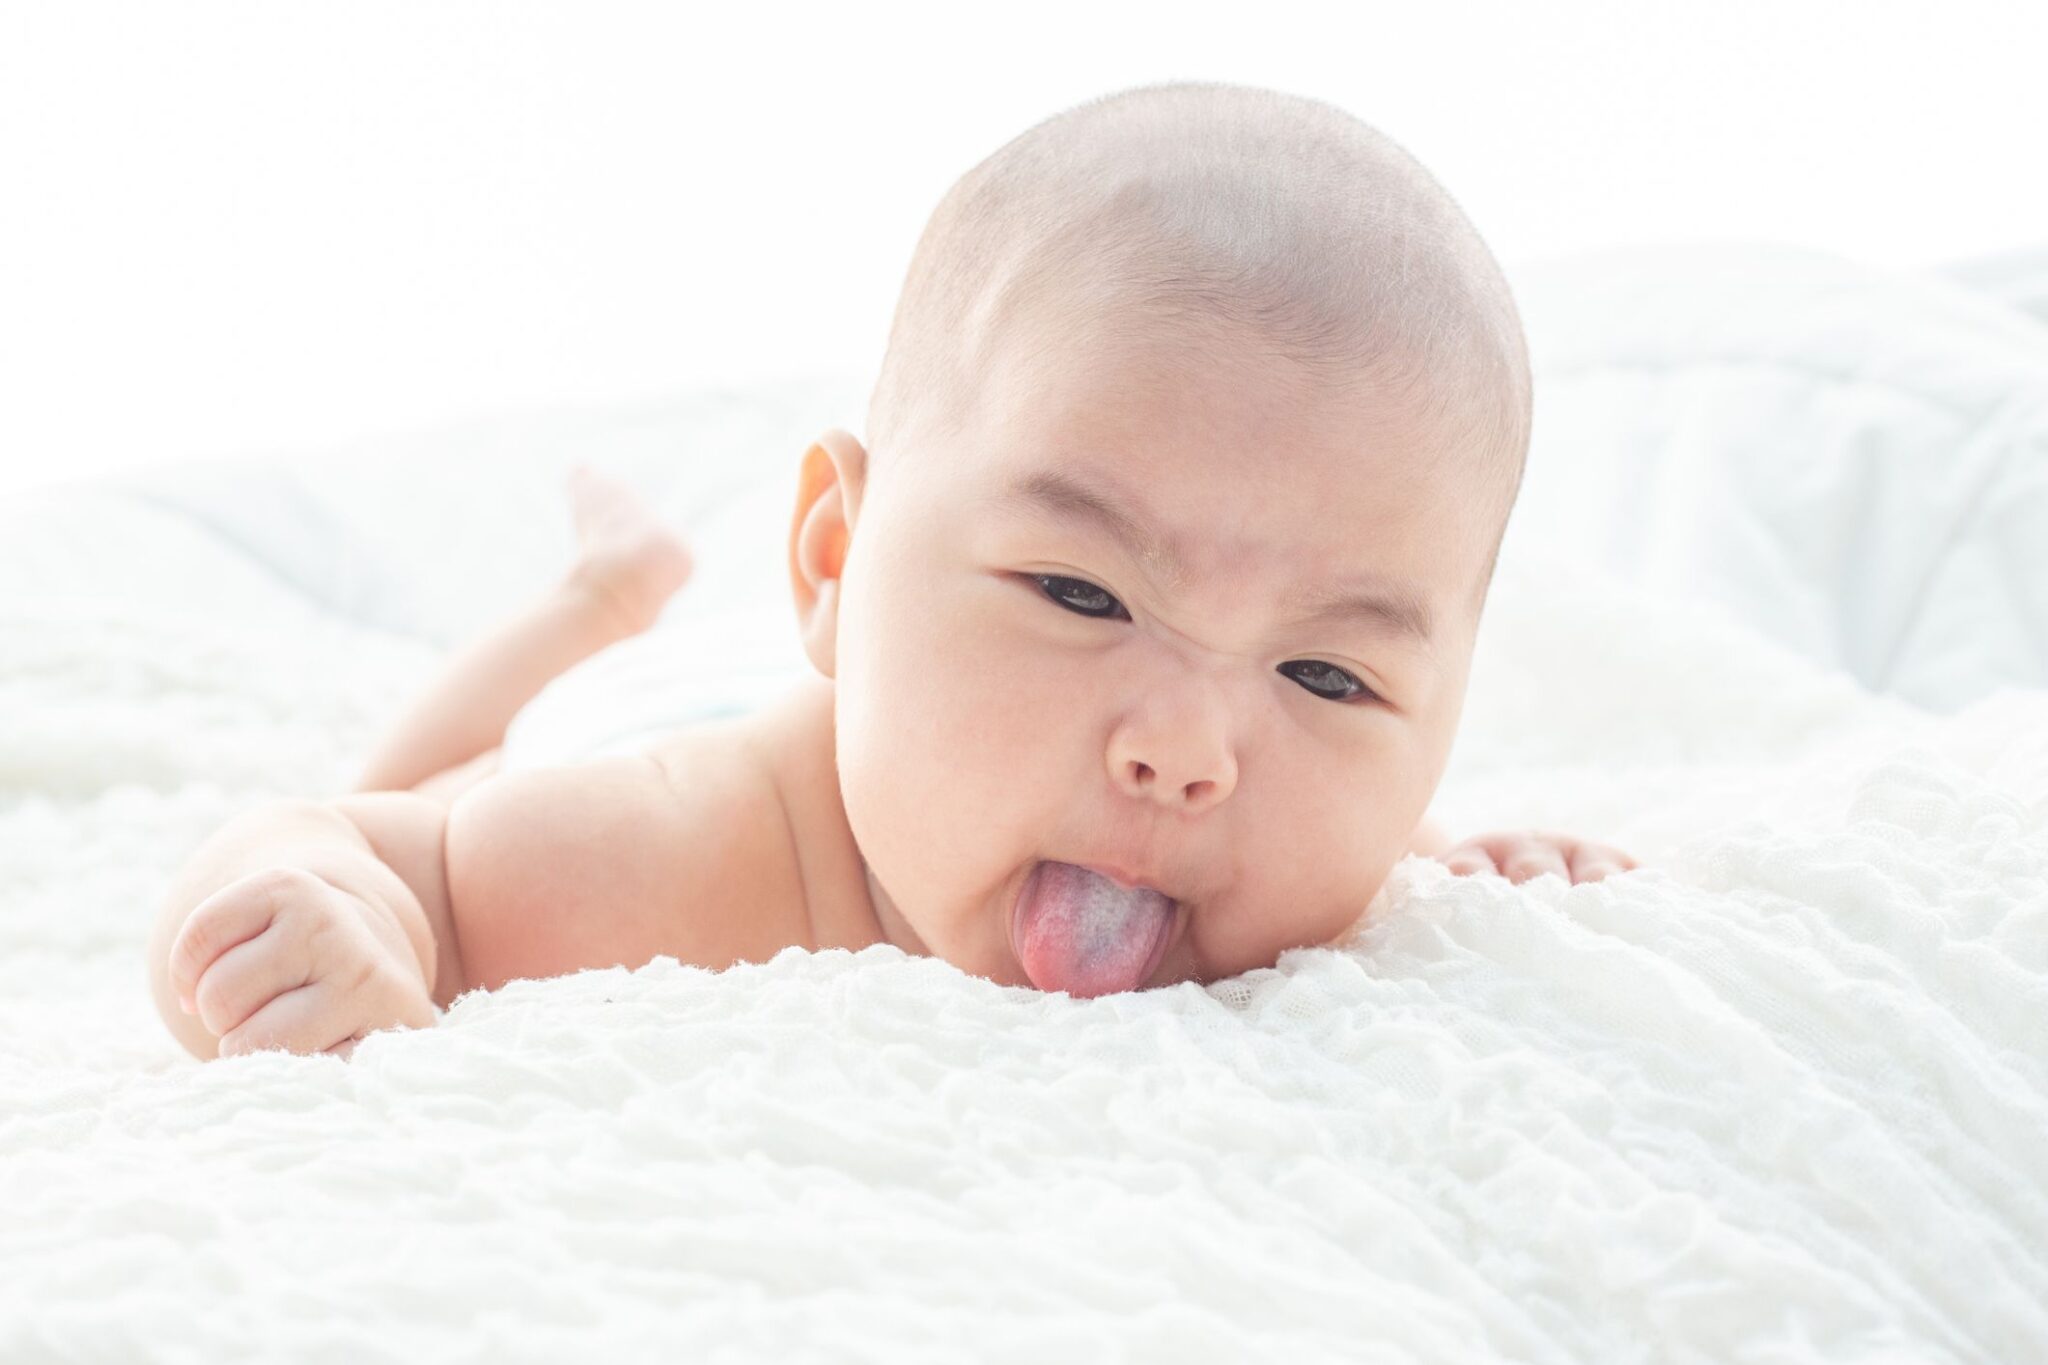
(793, 740)
(681, 851)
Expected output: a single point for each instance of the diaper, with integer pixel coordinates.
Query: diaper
(725, 645)
(626, 697)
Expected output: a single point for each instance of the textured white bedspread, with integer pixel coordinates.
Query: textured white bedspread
(1782, 1095)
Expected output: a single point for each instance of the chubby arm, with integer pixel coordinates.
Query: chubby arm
(615, 861)
(296, 851)
(390, 899)
(547, 871)
(524, 874)
(408, 834)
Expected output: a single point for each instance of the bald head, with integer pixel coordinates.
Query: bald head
(1227, 220)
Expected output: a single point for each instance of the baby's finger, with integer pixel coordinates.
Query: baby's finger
(1501, 845)
(234, 914)
(1530, 860)
(1591, 862)
(249, 976)
(1468, 860)
(302, 1021)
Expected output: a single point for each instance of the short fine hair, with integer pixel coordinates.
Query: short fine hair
(1220, 215)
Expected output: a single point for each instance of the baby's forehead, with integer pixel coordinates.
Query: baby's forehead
(1162, 512)
(1159, 414)
(1211, 473)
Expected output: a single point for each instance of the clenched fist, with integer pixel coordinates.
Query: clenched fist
(283, 959)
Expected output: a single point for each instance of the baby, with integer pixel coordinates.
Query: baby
(1142, 623)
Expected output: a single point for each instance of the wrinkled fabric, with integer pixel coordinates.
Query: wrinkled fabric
(1776, 1096)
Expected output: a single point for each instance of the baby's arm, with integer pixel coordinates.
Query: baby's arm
(297, 892)
(322, 922)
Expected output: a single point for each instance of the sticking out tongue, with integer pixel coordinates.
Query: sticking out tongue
(1081, 933)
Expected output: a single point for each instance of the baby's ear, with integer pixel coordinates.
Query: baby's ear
(827, 501)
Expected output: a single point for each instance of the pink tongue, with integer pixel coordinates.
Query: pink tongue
(1083, 934)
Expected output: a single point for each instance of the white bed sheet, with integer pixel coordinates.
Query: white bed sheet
(1777, 1096)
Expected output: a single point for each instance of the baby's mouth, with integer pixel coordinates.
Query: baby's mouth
(1077, 931)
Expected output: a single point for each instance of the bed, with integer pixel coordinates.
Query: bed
(1772, 616)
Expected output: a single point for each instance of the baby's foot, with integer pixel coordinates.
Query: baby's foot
(633, 562)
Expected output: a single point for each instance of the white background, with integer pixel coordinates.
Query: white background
(236, 229)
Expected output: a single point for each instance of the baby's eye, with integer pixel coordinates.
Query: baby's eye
(1063, 596)
(1101, 606)
(1332, 676)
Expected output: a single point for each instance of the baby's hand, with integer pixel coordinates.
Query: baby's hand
(283, 959)
(1522, 854)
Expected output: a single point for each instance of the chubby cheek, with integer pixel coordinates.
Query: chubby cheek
(950, 739)
(1308, 869)
(968, 746)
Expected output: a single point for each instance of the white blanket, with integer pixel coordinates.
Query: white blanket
(1779, 1096)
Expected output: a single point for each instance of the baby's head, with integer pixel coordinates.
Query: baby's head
(1201, 418)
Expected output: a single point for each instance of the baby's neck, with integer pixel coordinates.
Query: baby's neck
(845, 907)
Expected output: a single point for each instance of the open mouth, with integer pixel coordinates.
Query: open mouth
(1077, 930)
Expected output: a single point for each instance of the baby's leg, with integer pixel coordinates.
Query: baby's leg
(628, 566)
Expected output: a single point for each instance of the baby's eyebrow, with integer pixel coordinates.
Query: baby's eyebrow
(1381, 605)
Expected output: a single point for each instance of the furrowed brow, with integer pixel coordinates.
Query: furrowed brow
(1066, 500)
(1379, 606)
(1384, 608)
